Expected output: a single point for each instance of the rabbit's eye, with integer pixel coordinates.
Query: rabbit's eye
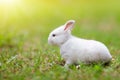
(53, 35)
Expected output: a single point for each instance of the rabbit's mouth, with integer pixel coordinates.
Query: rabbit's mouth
(51, 43)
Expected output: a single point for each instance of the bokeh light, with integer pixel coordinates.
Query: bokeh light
(8, 2)
(40, 15)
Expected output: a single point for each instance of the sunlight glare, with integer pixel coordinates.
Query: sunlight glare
(8, 2)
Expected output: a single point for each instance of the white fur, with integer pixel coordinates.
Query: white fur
(75, 50)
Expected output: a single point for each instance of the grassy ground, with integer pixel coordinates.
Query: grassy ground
(26, 55)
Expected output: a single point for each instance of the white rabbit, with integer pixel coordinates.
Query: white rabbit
(76, 50)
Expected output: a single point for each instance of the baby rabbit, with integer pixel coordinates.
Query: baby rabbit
(75, 50)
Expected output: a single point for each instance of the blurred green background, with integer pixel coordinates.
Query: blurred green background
(39, 17)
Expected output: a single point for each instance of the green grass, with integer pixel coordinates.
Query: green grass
(26, 55)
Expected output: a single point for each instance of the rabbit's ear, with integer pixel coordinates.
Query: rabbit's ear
(69, 25)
